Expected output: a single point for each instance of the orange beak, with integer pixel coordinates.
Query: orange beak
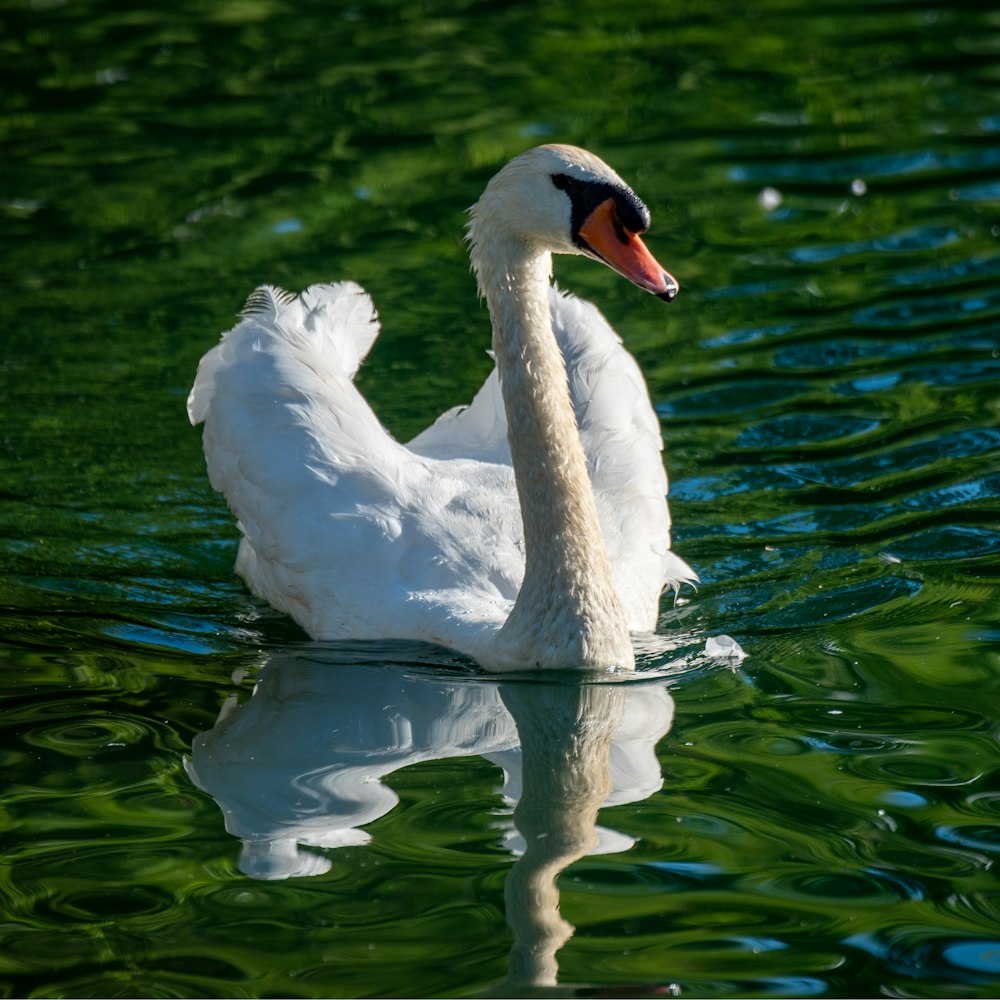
(604, 236)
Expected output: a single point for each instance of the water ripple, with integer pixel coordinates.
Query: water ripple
(924, 238)
(825, 182)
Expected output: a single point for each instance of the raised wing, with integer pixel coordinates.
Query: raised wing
(622, 441)
(345, 529)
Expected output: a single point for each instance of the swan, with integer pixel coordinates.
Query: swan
(528, 529)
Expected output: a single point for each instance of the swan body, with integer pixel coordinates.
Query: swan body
(529, 529)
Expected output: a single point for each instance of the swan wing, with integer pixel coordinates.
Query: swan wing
(621, 438)
(348, 531)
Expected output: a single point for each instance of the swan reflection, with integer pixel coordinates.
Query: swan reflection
(300, 765)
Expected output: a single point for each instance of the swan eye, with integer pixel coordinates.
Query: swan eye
(566, 183)
(583, 195)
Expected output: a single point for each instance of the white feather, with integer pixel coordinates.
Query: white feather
(357, 536)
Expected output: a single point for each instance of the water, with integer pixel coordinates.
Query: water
(820, 818)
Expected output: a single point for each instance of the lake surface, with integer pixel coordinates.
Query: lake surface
(200, 802)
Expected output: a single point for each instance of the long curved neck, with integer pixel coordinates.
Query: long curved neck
(567, 613)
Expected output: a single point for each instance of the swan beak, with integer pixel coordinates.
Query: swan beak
(604, 237)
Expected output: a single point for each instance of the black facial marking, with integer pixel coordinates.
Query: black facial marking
(631, 215)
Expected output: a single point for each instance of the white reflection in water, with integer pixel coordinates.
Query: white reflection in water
(300, 765)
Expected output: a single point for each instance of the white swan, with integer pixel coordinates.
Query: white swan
(529, 529)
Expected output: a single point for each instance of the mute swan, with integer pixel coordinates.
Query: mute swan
(529, 529)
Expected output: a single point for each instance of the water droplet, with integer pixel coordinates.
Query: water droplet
(769, 199)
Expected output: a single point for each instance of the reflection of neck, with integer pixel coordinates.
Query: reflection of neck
(567, 613)
(565, 733)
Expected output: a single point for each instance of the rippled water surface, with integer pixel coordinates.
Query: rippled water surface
(199, 802)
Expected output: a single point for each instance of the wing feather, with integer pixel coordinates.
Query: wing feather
(358, 536)
(621, 438)
(345, 529)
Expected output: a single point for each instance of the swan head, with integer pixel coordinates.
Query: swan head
(562, 199)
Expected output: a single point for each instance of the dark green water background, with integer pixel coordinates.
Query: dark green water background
(824, 180)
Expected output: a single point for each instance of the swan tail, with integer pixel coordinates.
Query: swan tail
(331, 327)
(677, 574)
(266, 303)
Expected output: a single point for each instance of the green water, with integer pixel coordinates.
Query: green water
(822, 818)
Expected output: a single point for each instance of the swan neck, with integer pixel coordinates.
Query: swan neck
(567, 612)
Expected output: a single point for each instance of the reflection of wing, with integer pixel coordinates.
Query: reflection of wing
(302, 761)
(635, 768)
